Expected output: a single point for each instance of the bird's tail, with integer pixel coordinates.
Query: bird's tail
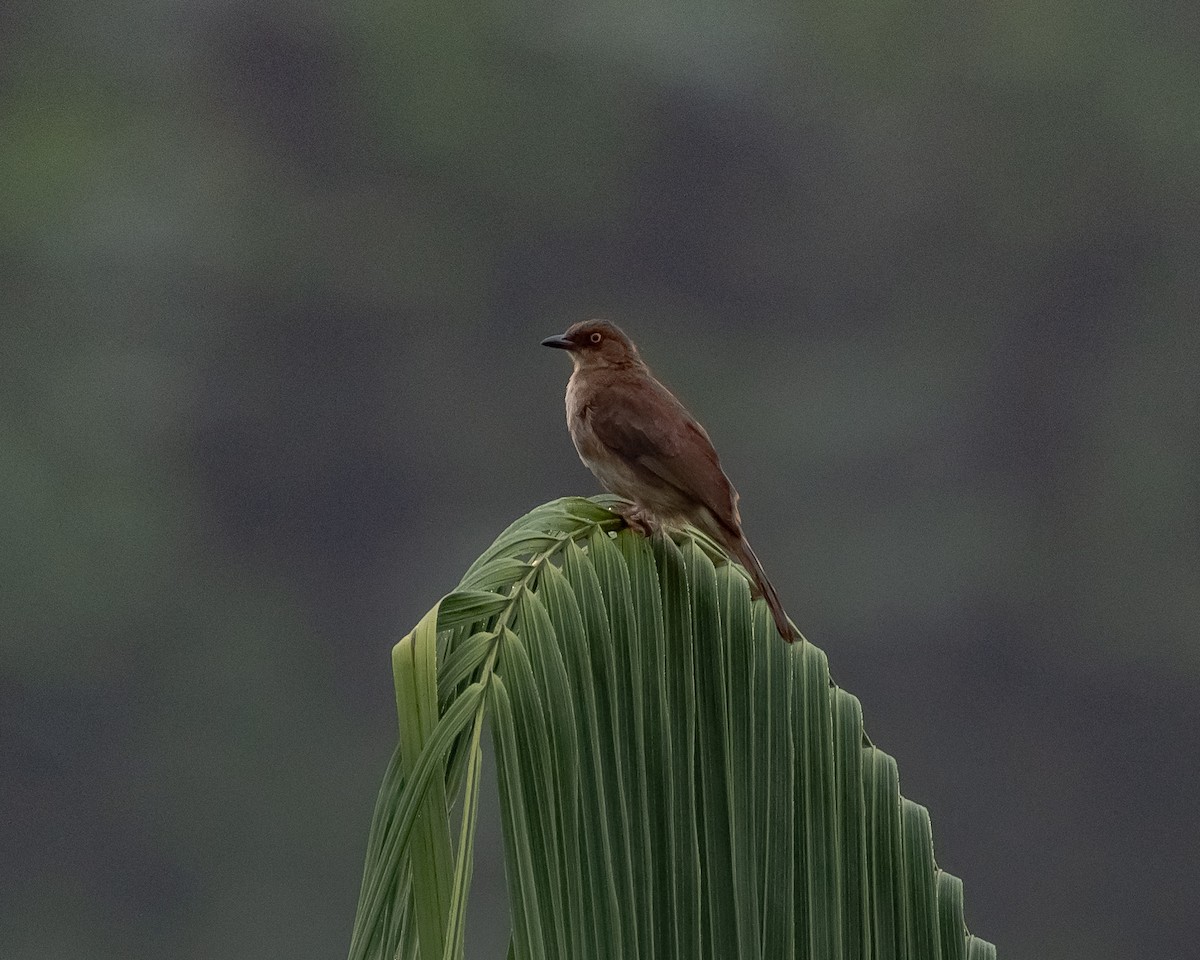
(740, 547)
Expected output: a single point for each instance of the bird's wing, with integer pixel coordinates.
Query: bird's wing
(645, 425)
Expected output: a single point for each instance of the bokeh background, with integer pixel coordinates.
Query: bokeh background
(274, 277)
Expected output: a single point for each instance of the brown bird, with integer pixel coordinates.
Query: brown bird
(643, 445)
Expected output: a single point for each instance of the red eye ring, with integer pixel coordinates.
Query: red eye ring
(595, 338)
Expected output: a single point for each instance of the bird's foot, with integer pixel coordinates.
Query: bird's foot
(637, 518)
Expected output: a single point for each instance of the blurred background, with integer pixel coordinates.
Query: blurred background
(274, 277)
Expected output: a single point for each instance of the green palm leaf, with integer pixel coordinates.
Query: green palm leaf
(675, 781)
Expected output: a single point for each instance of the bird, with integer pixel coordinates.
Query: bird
(643, 445)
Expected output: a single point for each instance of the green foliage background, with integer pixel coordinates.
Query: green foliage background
(273, 278)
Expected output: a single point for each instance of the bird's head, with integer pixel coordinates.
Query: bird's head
(596, 343)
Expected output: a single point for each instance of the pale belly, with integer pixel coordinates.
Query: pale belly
(615, 475)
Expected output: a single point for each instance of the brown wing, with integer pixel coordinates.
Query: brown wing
(643, 423)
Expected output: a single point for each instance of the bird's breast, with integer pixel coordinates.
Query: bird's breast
(609, 468)
(575, 399)
(578, 407)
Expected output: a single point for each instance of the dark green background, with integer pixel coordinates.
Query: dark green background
(274, 277)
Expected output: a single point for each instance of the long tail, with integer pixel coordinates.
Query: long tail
(740, 547)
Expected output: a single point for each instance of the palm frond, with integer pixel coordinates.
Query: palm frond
(674, 780)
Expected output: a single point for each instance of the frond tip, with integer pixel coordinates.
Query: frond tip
(674, 781)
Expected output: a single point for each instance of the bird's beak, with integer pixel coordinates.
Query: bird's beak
(561, 341)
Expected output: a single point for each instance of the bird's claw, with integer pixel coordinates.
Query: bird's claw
(637, 519)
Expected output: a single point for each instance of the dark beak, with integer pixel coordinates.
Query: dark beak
(562, 341)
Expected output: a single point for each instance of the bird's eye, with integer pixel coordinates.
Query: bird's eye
(595, 338)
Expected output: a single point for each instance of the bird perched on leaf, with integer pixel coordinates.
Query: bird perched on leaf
(643, 445)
